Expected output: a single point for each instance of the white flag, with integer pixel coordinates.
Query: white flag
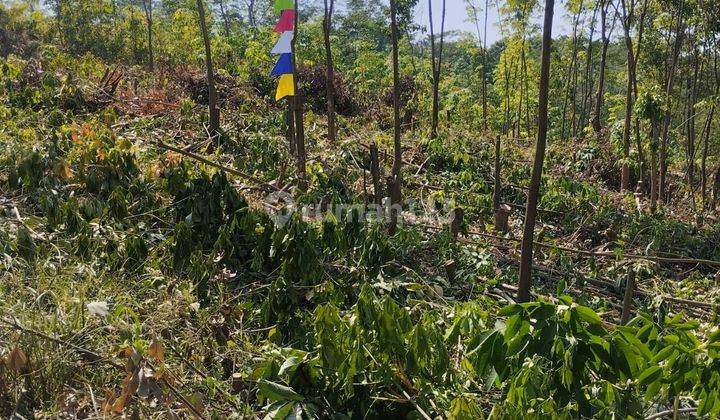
(284, 44)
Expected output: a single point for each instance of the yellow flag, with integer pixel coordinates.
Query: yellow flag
(286, 87)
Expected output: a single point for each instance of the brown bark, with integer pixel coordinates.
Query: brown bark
(691, 136)
(638, 138)
(703, 161)
(214, 127)
(484, 70)
(571, 84)
(148, 7)
(597, 126)
(628, 14)
(526, 256)
(669, 82)
(297, 104)
(329, 70)
(436, 57)
(654, 175)
(226, 20)
(396, 178)
(588, 81)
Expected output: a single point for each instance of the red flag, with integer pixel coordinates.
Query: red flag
(286, 22)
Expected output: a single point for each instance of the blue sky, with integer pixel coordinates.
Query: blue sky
(456, 18)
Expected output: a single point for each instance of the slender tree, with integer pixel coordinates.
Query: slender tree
(251, 13)
(526, 256)
(396, 178)
(225, 17)
(628, 14)
(605, 35)
(329, 70)
(587, 86)
(297, 105)
(214, 127)
(148, 7)
(690, 124)
(707, 130)
(571, 82)
(669, 82)
(436, 57)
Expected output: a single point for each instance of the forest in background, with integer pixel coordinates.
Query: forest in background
(176, 243)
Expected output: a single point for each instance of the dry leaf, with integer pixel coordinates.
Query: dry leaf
(16, 360)
(107, 405)
(129, 388)
(63, 170)
(157, 351)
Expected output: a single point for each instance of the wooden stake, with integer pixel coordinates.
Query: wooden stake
(375, 172)
(456, 223)
(627, 299)
(290, 126)
(297, 101)
(498, 186)
(449, 266)
(502, 218)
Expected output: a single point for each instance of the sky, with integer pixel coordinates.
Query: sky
(456, 18)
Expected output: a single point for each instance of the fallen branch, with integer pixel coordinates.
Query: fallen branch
(672, 260)
(232, 171)
(670, 412)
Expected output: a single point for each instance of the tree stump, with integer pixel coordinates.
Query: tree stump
(502, 218)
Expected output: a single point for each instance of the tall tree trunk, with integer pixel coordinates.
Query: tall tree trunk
(436, 57)
(297, 101)
(716, 188)
(669, 82)
(148, 7)
(703, 161)
(588, 80)
(526, 257)
(597, 126)
(396, 192)
(638, 138)
(627, 18)
(251, 13)
(571, 83)
(708, 128)
(329, 70)
(691, 137)
(506, 77)
(654, 174)
(226, 20)
(484, 70)
(525, 89)
(214, 127)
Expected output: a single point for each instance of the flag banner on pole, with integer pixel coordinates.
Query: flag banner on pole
(286, 22)
(281, 5)
(286, 87)
(284, 44)
(283, 65)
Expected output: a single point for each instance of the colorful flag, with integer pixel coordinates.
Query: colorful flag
(286, 22)
(283, 65)
(284, 44)
(286, 87)
(281, 5)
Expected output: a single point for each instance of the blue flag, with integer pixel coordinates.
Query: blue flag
(283, 65)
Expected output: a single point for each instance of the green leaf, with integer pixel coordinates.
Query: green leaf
(278, 411)
(662, 355)
(278, 392)
(588, 315)
(650, 375)
(510, 310)
(290, 365)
